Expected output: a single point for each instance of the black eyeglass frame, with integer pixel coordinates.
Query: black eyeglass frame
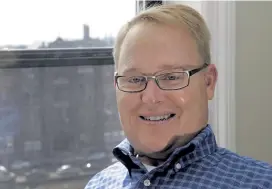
(188, 72)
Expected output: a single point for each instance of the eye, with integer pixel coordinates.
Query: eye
(136, 79)
(171, 76)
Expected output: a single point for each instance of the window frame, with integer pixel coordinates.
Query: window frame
(221, 19)
(144, 4)
(55, 57)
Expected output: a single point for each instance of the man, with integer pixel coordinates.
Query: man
(164, 80)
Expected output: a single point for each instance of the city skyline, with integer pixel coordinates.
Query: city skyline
(33, 21)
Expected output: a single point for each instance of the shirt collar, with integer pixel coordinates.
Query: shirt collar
(202, 145)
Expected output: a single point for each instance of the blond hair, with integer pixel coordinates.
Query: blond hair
(171, 14)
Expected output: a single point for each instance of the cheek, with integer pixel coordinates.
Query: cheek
(127, 106)
(126, 102)
(180, 99)
(187, 102)
(193, 103)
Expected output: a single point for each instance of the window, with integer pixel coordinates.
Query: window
(58, 117)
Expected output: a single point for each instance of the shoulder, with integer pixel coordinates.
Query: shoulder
(246, 168)
(244, 160)
(112, 175)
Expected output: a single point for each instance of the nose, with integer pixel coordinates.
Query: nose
(152, 94)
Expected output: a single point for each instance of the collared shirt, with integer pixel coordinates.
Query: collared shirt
(201, 164)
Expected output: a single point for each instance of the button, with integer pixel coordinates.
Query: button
(178, 166)
(147, 182)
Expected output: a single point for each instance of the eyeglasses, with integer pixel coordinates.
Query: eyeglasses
(165, 81)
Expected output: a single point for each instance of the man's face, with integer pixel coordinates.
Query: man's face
(152, 49)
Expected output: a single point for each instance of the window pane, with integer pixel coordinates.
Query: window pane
(57, 123)
(32, 24)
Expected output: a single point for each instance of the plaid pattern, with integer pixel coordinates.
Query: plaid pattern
(200, 164)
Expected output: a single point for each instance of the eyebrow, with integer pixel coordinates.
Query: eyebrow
(161, 68)
(173, 67)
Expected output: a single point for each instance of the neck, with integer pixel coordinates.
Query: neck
(157, 158)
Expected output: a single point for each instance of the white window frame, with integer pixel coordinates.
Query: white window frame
(220, 17)
(140, 5)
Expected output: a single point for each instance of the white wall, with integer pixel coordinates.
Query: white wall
(254, 79)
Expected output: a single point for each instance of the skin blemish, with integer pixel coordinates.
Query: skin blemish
(182, 100)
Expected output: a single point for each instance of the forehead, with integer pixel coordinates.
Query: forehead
(151, 47)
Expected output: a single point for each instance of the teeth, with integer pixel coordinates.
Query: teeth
(157, 118)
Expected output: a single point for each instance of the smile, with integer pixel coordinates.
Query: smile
(158, 118)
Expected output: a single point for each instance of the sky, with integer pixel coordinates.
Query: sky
(34, 21)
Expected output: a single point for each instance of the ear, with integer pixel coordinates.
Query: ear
(207, 81)
(211, 76)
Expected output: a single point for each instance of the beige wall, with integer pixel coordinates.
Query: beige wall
(254, 79)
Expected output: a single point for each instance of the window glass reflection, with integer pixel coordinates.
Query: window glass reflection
(56, 123)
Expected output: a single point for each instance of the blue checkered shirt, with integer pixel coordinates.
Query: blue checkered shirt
(199, 164)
